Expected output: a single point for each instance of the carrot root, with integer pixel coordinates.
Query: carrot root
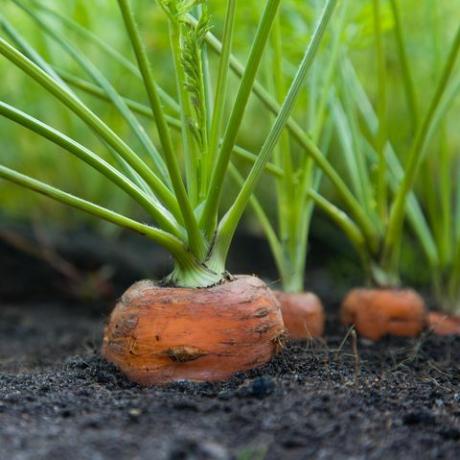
(379, 312)
(443, 324)
(303, 315)
(158, 335)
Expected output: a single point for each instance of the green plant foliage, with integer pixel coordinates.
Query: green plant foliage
(185, 207)
(372, 140)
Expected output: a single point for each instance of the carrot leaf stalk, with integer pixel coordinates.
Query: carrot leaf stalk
(177, 175)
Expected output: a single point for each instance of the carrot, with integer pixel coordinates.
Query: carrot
(303, 314)
(379, 312)
(157, 335)
(442, 324)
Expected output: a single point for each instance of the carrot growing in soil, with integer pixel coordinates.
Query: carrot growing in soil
(200, 323)
(295, 173)
(377, 190)
(303, 312)
(440, 198)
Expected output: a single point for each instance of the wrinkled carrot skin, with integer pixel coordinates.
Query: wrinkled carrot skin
(442, 324)
(379, 312)
(303, 315)
(158, 335)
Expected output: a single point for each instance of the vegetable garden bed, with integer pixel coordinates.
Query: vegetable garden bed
(398, 398)
(193, 124)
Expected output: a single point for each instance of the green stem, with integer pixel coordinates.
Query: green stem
(222, 83)
(193, 274)
(168, 241)
(188, 271)
(230, 221)
(108, 88)
(404, 60)
(456, 210)
(382, 194)
(91, 120)
(270, 234)
(329, 75)
(287, 217)
(352, 150)
(311, 176)
(31, 54)
(208, 220)
(146, 111)
(414, 210)
(445, 211)
(393, 235)
(19, 41)
(304, 140)
(159, 213)
(189, 151)
(202, 114)
(196, 241)
(350, 229)
(106, 49)
(454, 281)
(206, 83)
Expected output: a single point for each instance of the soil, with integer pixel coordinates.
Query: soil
(337, 398)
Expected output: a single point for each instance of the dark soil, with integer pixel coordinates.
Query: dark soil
(398, 399)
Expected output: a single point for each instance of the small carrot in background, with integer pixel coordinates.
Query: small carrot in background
(300, 158)
(377, 187)
(303, 314)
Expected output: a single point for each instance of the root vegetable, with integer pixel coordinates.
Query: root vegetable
(442, 324)
(158, 335)
(303, 315)
(379, 312)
